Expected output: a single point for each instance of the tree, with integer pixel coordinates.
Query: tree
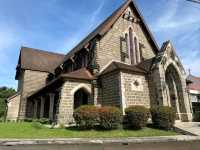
(5, 92)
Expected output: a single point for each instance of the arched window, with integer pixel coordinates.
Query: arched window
(131, 46)
(137, 52)
(127, 45)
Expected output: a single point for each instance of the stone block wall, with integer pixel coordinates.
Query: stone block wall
(32, 81)
(66, 105)
(109, 48)
(136, 89)
(110, 90)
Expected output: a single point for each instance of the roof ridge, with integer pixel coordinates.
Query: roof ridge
(40, 50)
(102, 28)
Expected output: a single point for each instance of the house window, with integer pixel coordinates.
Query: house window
(141, 46)
(133, 47)
(137, 54)
(126, 40)
(198, 98)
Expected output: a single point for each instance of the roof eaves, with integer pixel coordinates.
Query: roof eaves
(146, 27)
(106, 25)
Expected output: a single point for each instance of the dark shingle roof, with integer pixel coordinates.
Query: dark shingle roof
(39, 60)
(122, 66)
(195, 85)
(82, 73)
(146, 64)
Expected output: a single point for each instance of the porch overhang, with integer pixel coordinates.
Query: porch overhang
(81, 74)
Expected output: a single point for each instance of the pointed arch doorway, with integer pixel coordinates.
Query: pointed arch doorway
(175, 95)
(81, 97)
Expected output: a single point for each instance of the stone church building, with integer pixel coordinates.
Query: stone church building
(118, 64)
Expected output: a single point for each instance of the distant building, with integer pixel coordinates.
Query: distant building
(194, 92)
(118, 64)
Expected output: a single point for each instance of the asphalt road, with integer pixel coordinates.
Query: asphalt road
(144, 146)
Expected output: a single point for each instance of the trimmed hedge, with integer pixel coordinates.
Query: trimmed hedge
(110, 117)
(137, 116)
(86, 116)
(163, 117)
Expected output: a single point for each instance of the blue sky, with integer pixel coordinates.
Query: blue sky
(58, 25)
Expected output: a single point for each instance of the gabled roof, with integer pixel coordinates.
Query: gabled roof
(103, 28)
(11, 97)
(147, 64)
(114, 65)
(82, 73)
(39, 60)
(195, 85)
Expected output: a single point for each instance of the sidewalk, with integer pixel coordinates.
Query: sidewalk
(192, 128)
(10, 142)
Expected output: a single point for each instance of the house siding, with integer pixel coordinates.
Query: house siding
(32, 81)
(110, 90)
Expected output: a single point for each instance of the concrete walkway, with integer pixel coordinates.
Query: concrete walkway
(192, 128)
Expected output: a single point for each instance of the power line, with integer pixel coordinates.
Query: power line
(194, 1)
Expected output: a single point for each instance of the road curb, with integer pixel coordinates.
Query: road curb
(181, 138)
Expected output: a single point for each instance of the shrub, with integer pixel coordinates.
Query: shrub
(196, 116)
(86, 117)
(137, 116)
(163, 117)
(110, 117)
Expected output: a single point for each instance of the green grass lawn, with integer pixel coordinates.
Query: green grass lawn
(27, 130)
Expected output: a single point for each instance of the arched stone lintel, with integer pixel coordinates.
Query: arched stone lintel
(173, 63)
(82, 86)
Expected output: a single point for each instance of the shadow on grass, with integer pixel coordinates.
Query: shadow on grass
(98, 128)
(158, 128)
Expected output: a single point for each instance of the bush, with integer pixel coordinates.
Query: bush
(137, 116)
(86, 117)
(196, 116)
(110, 117)
(163, 117)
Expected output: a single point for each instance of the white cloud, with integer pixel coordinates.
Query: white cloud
(74, 39)
(176, 16)
(179, 21)
(191, 61)
(95, 14)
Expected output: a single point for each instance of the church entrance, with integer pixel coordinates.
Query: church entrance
(80, 98)
(174, 91)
